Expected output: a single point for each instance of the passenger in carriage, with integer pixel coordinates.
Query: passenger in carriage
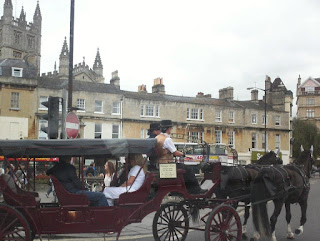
(109, 173)
(166, 150)
(135, 180)
(67, 176)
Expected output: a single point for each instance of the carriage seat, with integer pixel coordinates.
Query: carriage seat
(14, 195)
(137, 197)
(66, 198)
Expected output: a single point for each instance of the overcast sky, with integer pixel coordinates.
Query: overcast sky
(195, 46)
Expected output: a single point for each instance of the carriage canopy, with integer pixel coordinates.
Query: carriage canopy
(75, 147)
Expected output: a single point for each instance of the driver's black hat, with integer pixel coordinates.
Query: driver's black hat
(166, 123)
(154, 126)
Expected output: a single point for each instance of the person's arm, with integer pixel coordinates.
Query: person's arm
(74, 178)
(168, 144)
(51, 170)
(129, 182)
(178, 153)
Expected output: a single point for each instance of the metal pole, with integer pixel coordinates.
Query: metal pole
(71, 56)
(265, 120)
(64, 113)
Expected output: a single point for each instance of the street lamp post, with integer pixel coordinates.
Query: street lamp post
(265, 114)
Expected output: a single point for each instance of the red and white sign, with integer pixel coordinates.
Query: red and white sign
(72, 125)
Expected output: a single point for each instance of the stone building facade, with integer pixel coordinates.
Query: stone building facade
(308, 100)
(109, 112)
(20, 47)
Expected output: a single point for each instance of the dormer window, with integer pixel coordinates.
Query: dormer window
(17, 72)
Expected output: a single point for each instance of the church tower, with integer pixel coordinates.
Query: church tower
(20, 40)
(98, 68)
(64, 60)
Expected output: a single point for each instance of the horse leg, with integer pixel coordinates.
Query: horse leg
(246, 217)
(290, 234)
(303, 205)
(278, 203)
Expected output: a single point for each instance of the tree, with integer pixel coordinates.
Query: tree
(306, 134)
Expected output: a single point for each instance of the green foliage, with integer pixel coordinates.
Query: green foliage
(305, 134)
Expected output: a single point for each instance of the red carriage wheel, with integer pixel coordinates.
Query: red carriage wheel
(171, 222)
(223, 224)
(13, 225)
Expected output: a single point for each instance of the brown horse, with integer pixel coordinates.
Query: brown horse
(284, 185)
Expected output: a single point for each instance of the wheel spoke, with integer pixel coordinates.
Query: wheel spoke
(16, 230)
(9, 225)
(166, 215)
(179, 231)
(175, 234)
(164, 219)
(3, 222)
(164, 233)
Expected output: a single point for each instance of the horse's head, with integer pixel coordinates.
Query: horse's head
(270, 158)
(306, 159)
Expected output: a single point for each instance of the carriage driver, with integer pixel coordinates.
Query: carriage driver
(166, 150)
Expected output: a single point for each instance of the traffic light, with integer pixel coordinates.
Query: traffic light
(52, 117)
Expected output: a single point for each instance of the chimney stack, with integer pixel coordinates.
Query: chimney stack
(158, 86)
(226, 93)
(115, 80)
(142, 88)
(254, 95)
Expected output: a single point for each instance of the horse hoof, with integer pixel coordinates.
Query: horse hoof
(297, 232)
(244, 236)
(251, 239)
(290, 237)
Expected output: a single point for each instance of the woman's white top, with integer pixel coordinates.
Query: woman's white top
(115, 192)
(107, 180)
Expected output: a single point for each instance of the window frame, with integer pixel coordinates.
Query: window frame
(277, 120)
(231, 117)
(254, 119)
(310, 101)
(218, 135)
(147, 109)
(231, 139)
(310, 113)
(101, 107)
(43, 99)
(254, 140)
(96, 131)
(278, 141)
(115, 133)
(218, 114)
(14, 71)
(264, 141)
(116, 108)
(79, 105)
(15, 101)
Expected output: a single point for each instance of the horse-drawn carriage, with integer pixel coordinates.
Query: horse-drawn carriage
(23, 215)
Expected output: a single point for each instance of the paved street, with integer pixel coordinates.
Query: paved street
(143, 231)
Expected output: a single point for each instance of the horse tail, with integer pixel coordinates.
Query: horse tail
(259, 207)
(194, 212)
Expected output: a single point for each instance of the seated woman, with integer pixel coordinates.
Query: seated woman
(109, 173)
(136, 178)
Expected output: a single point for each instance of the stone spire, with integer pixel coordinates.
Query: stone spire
(7, 11)
(97, 66)
(64, 50)
(37, 13)
(64, 60)
(22, 18)
(8, 3)
(97, 61)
